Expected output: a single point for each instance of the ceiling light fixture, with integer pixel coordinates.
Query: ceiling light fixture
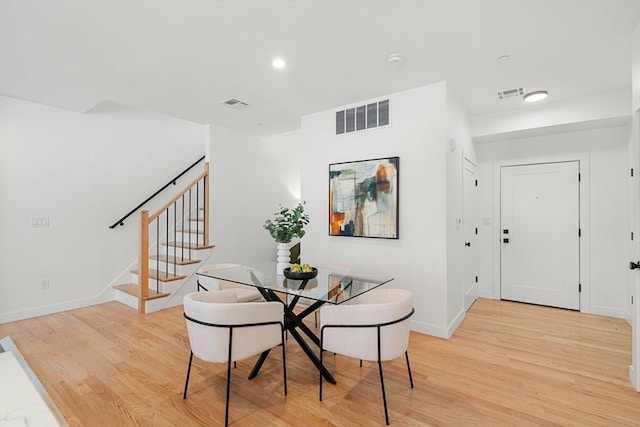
(503, 59)
(536, 96)
(278, 63)
(395, 59)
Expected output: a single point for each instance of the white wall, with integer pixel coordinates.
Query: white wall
(83, 171)
(250, 177)
(418, 259)
(635, 69)
(606, 151)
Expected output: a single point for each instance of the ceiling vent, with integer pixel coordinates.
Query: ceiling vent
(236, 104)
(373, 115)
(511, 93)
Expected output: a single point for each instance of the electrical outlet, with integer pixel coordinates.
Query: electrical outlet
(44, 284)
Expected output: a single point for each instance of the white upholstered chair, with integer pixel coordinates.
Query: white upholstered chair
(374, 329)
(223, 330)
(245, 293)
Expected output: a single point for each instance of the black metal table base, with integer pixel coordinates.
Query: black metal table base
(293, 322)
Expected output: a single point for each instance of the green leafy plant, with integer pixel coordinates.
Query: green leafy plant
(287, 224)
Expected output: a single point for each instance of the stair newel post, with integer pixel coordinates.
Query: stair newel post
(206, 203)
(143, 262)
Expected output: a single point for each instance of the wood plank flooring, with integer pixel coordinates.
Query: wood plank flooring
(508, 364)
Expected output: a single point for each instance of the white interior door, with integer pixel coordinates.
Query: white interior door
(540, 246)
(470, 227)
(634, 250)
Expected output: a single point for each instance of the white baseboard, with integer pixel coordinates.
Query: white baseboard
(428, 329)
(632, 378)
(488, 294)
(55, 308)
(609, 311)
(439, 331)
(455, 323)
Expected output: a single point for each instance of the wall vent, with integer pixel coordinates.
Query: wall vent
(511, 93)
(362, 117)
(236, 104)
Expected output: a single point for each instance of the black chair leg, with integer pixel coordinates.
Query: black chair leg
(284, 365)
(406, 353)
(226, 409)
(321, 352)
(384, 395)
(361, 363)
(186, 383)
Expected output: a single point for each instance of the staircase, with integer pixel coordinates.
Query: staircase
(173, 243)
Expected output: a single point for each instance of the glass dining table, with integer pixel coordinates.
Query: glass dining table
(330, 286)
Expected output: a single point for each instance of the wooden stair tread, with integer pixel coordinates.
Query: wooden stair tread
(162, 276)
(187, 246)
(132, 289)
(174, 260)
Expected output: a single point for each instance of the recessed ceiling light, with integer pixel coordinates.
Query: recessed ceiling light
(278, 63)
(536, 96)
(395, 59)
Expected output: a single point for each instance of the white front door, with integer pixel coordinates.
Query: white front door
(470, 227)
(540, 246)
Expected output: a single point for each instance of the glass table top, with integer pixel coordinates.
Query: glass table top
(331, 286)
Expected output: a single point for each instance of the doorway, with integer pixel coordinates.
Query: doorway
(540, 234)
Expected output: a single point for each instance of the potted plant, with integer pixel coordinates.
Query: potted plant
(287, 224)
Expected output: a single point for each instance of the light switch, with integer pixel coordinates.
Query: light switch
(39, 221)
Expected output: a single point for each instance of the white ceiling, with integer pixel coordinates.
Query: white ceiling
(183, 58)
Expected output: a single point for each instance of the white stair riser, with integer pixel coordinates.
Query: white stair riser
(127, 299)
(178, 292)
(151, 305)
(184, 236)
(167, 287)
(179, 269)
(188, 253)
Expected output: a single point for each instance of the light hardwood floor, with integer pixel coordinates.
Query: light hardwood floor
(508, 364)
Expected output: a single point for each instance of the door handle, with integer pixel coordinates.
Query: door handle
(505, 240)
(634, 265)
(467, 244)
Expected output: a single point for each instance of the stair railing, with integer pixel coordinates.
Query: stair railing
(173, 181)
(183, 210)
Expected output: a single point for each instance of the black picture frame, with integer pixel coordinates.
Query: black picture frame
(364, 198)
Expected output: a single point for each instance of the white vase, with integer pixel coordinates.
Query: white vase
(284, 257)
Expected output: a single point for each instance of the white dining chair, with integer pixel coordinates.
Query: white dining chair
(221, 330)
(374, 329)
(245, 293)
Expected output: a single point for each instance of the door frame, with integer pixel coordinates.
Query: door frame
(465, 205)
(634, 283)
(585, 220)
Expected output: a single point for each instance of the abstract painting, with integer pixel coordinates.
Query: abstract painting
(363, 198)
